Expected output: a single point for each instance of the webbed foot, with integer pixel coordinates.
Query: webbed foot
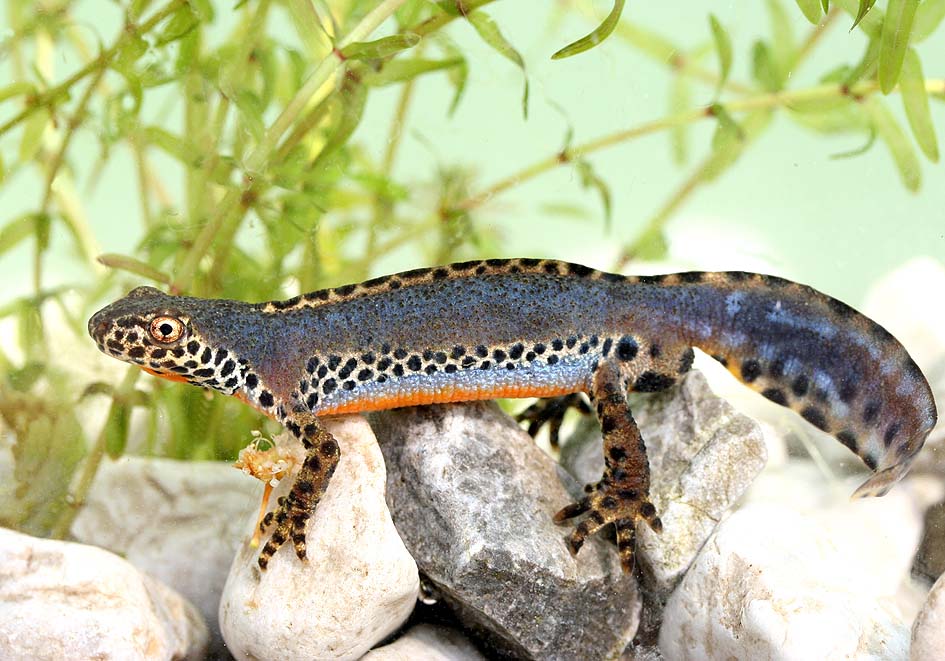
(609, 504)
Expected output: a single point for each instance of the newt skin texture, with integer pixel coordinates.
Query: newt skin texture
(532, 328)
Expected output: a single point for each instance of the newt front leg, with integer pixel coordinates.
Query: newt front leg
(294, 510)
(621, 497)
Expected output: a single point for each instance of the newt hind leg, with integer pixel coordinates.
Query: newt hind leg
(294, 510)
(621, 497)
(551, 412)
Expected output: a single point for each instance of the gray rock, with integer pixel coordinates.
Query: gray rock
(180, 521)
(703, 456)
(61, 600)
(930, 558)
(473, 499)
(357, 584)
(429, 643)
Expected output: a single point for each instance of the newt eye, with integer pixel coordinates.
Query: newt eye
(166, 329)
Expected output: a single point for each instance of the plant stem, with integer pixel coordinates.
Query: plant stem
(784, 98)
(224, 222)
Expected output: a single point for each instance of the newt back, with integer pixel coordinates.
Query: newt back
(520, 328)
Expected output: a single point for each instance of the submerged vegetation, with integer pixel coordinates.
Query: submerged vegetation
(261, 132)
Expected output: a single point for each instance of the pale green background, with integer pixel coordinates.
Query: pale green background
(786, 205)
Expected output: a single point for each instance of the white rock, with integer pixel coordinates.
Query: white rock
(357, 585)
(928, 632)
(877, 535)
(427, 642)
(773, 584)
(180, 521)
(60, 600)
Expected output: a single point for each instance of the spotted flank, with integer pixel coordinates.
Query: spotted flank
(532, 328)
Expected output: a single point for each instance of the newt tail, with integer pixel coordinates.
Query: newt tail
(526, 328)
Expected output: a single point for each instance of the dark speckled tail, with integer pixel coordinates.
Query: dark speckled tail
(844, 373)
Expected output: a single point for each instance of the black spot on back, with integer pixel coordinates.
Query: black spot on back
(800, 385)
(776, 395)
(815, 416)
(871, 411)
(848, 438)
(626, 348)
(685, 361)
(579, 270)
(847, 391)
(840, 308)
(751, 370)
(891, 432)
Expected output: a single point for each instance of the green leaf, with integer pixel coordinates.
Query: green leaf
(859, 151)
(928, 17)
(783, 45)
(489, 32)
(116, 431)
(811, 10)
(409, 13)
(132, 265)
(16, 89)
(458, 76)
(353, 97)
(915, 101)
(867, 64)
(650, 246)
(728, 141)
(402, 70)
(16, 231)
(826, 5)
(184, 20)
(131, 50)
(764, 69)
(33, 129)
(203, 9)
(894, 41)
(723, 48)
(251, 112)
(865, 6)
(590, 179)
(598, 35)
(380, 48)
(174, 146)
(889, 131)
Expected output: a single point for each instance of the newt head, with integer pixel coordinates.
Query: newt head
(169, 336)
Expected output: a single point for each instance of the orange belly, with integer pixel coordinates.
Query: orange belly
(445, 395)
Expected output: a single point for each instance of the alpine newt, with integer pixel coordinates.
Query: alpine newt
(531, 328)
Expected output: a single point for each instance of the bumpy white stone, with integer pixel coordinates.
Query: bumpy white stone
(427, 642)
(60, 600)
(928, 631)
(775, 584)
(182, 522)
(357, 585)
